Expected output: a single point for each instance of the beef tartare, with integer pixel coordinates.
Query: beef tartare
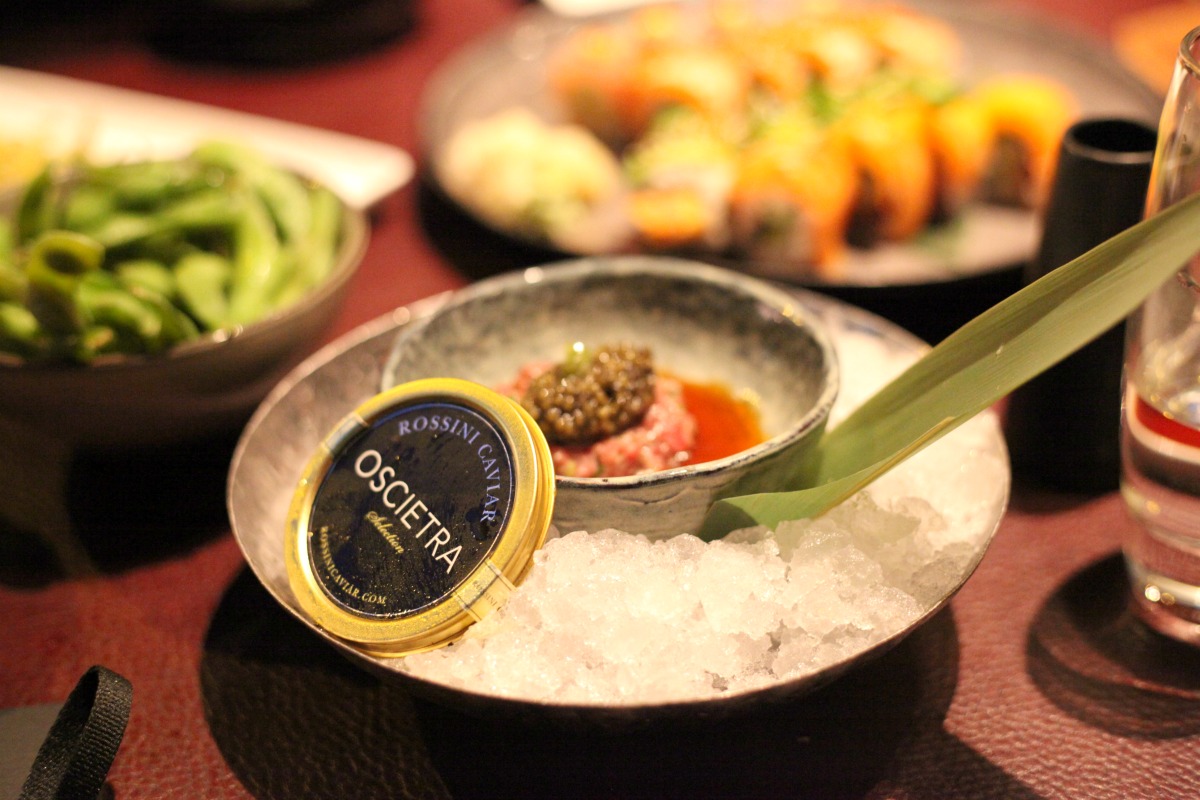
(608, 413)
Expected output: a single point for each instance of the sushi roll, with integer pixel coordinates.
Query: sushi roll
(1029, 116)
(671, 218)
(708, 80)
(838, 53)
(660, 26)
(889, 147)
(776, 70)
(910, 42)
(962, 141)
(681, 173)
(791, 203)
(591, 75)
(599, 72)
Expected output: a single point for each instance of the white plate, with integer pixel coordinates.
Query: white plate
(112, 124)
(295, 417)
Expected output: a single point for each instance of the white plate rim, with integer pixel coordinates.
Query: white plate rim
(116, 124)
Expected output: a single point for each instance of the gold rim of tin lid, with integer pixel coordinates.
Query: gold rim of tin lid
(371, 573)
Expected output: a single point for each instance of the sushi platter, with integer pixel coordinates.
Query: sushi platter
(598, 171)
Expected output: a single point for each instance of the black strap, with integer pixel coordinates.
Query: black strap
(75, 758)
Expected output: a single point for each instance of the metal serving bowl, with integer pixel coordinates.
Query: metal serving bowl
(299, 413)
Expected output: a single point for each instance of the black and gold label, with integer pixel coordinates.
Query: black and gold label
(418, 515)
(409, 509)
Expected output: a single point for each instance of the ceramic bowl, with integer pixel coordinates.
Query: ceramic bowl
(702, 323)
(204, 386)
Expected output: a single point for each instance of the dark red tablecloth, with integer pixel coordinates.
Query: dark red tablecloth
(1034, 682)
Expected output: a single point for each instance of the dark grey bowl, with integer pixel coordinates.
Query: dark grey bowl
(211, 384)
(703, 323)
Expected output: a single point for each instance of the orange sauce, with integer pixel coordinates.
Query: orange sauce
(724, 424)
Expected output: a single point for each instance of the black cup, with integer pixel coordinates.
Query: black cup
(1063, 426)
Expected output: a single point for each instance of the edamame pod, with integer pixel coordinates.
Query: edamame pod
(67, 252)
(255, 259)
(6, 244)
(96, 340)
(20, 332)
(176, 326)
(147, 184)
(87, 206)
(282, 192)
(57, 260)
(13, 282)
(321, 243)
(14, 286)
(200, 211)
(103, 301)
(202, 280)
(36, 212)
(147, 273)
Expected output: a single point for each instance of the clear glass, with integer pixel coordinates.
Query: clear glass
(1160, 426)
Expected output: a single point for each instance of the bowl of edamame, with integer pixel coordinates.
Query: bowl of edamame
(156, 301)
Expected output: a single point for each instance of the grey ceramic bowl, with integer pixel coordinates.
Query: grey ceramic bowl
(211, 384)
(703, 323)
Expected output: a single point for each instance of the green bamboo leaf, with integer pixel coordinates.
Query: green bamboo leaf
(979, 364)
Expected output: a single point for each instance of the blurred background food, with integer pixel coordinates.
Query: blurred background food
(1146, 40)
(776, 134)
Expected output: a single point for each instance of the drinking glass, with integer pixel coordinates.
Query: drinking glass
(1160, 425)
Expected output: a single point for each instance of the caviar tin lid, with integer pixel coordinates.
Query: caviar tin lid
(418, 515)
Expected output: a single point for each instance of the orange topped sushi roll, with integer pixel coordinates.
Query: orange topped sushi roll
(911, 41)
(889, 147)
(774, 66)
(961, 141)
(835, 49)
(792, 200)
(705, 79)
(657, 26)
(670, 218)
(599, 72)
(592, 75)
(1029, 116)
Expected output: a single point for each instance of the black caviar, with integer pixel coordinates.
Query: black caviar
(592, 395)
